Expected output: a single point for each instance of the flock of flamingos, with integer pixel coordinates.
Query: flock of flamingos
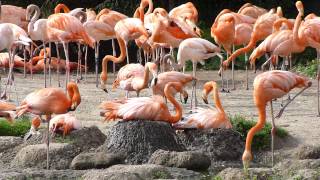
(154, 31)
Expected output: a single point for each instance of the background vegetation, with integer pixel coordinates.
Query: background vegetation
(18, 128)
(208, 9)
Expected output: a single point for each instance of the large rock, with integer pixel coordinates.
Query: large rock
(138, 172)
(40, 174)
(219, 144)
(253, 173)
(308, 152)
(96, 160)
(9, 142)
(289, 167)
(139, 139)
(192, 160)
(61, 155)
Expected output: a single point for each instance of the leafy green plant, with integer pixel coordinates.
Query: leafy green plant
(309, 69)
(17, 128)
(261, 139)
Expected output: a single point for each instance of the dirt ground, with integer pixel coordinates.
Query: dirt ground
(300, 118)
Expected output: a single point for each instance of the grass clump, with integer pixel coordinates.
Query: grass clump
(309, 69)
(261, 139)
(18, 128)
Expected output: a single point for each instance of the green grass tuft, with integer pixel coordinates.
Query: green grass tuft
(263, 138)
(310, 69)
(18, 128)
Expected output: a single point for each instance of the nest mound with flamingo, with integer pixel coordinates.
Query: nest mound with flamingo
(152, 119)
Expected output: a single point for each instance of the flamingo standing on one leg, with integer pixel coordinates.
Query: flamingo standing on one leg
(48, 101)
(144, 108)
(196, 50)
(207, 118)
(266, 87)
(126, 29)
(135, 77)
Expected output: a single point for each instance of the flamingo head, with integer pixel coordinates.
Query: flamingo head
(299, 6)
(246, 159)
(207, 88)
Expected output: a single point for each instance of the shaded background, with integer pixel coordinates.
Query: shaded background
(208, 9)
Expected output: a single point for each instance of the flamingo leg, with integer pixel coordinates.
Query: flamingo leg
(114, 53)
(221, 76)
(24, 62)
(273, 131)
(128, 61)
(47, 143)
(45, 65)
(86, 62)
(265, 63)
(96, 55)
(232, 73)
(247, 73)
(127, 94)
(194, 88)
(10, 73)
(50, 80)
(318, 78)
(58, 67)
(79, 63)
(66, 51)
(31, 56)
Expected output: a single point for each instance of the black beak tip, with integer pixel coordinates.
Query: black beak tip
(185, 100)
(105, 90)
(102, 113)
(205, 100)
(71, 109)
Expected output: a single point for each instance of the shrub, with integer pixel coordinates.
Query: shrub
(17, 128)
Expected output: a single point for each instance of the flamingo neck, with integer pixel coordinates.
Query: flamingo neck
(175, 118)
(217, 101)
(297, 23)
(74, 94)
(261, 122)
(34, 18)
(60, 7)
(114, 59)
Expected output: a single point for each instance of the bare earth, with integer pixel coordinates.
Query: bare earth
(300, 118)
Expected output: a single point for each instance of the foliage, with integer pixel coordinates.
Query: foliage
(18, 128)
(262, 139)
(160, 175)
(310, 69)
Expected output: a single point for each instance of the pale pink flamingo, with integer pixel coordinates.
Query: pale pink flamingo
(207, 118)
(134, 77)
(144, 108)
(196, 50)
(13, 14)
(64, 123)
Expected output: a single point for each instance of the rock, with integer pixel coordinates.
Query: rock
(191, 160)
(111, 176)
(96, 160)
(219, 144)
(9, 142)
(253, 173)
(139, 139)
(289, 167)
(306, 174)
(145, 171)
(40, 174)
(308, 152)
(61, 155)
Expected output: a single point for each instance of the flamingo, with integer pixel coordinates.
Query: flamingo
(12, 35)
(13, 14)
(207, 118)
(158, 83)
(64, 28)
(263, 27)
(229, 29)
(5, 61)
(266, 87)
(144, 108)
(283, 43)
(98, 30)
(251, 10)
(37, 29)
(65, 123)
(111, 18)
(134, 77)
(7, 110)
(196, 50)
(48, 101)
(126, 29)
